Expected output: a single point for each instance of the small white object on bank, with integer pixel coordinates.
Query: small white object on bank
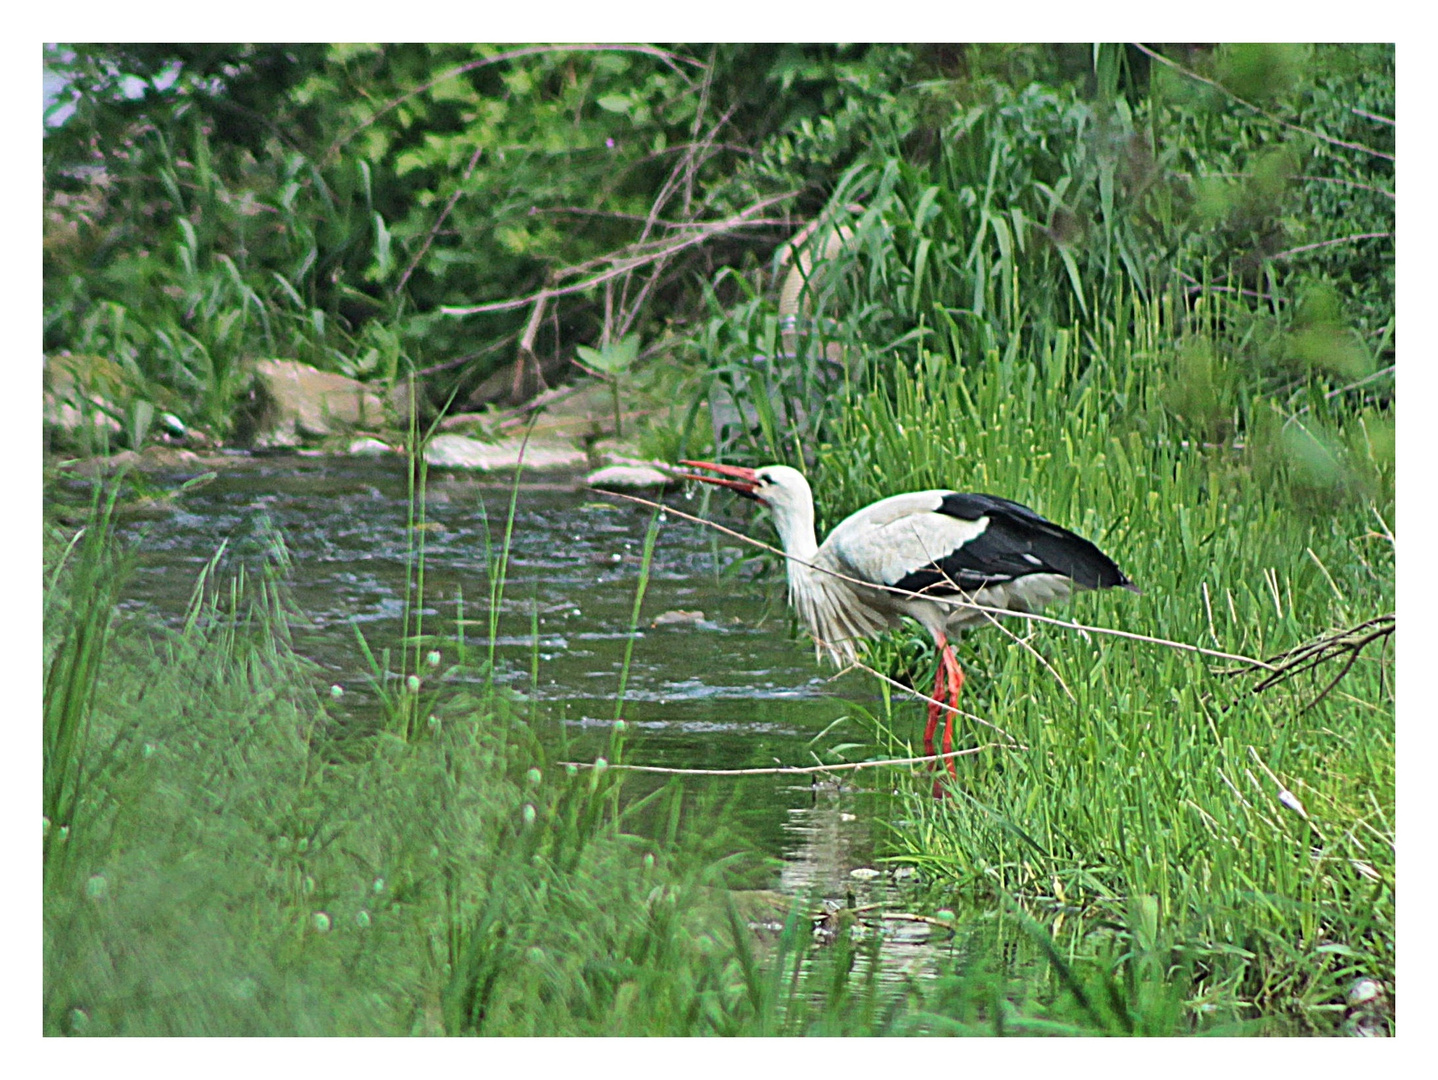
(628, 478)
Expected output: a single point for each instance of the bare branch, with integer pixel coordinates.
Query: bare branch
(620, 265)
(946, 600)
(1330, 243)
(1389, 370)
(1345, 643)
(1356, 111)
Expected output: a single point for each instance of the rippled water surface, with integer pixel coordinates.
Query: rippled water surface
(732, 689)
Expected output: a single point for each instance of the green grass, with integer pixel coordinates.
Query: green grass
(1232, 473)
(233, 862)
(1149, 776)
(1232, 452)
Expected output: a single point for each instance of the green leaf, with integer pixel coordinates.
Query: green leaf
(614, 358)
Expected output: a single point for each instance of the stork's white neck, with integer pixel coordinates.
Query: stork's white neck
(794, 522)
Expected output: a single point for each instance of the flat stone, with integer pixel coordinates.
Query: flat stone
(628, 477)
(472, 420)
(461, 452)
(294, 402)
(369, 446)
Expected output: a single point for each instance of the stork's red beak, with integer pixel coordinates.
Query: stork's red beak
(745, 482)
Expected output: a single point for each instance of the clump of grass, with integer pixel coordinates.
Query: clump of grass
(1256, 827)
(78, 616)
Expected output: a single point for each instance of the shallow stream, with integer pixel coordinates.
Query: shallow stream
(730, 688)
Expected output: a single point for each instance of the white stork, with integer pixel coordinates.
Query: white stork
(888, 559)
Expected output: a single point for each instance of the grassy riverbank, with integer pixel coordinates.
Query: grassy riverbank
(1146, 800)
(235, 863)
(222, 858)
(1223, 824)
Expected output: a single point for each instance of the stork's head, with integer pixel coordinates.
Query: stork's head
(776, 486)
(783, 490)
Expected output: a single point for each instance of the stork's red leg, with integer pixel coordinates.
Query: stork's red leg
(933, 711)
(954, 683)
(940, 682)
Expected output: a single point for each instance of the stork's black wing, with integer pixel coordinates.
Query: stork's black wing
(1016, 542)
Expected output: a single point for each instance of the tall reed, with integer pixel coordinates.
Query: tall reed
(78, 613)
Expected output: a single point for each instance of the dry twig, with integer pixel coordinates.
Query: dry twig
(1337, 643)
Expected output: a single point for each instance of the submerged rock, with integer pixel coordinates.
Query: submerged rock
(460, 452)
(677, 618)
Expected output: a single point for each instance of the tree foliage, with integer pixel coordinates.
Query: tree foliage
(210, 204)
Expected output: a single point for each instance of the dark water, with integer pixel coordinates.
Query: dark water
(731, 690)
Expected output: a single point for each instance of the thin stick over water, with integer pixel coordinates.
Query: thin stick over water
(950, 601)
(789, 770)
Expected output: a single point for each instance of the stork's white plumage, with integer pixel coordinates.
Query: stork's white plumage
(915, 555)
